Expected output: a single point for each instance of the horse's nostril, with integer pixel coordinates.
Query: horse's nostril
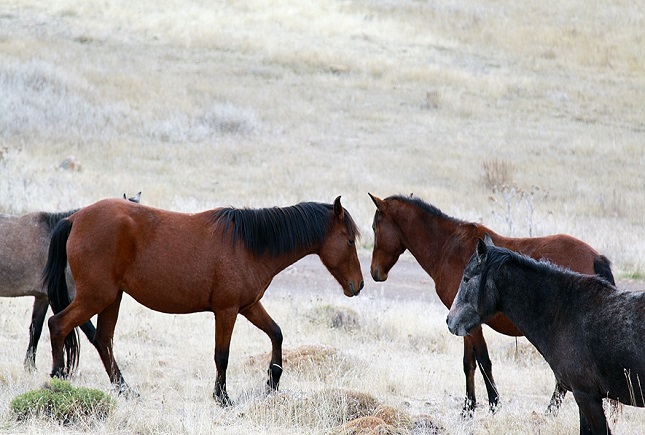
(360, 287)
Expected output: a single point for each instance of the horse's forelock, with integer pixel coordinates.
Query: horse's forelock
(495, 258)
(350, 225)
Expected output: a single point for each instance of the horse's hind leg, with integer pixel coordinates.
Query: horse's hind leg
(481, 355)
(556, 400)
(41, 304)
(106, 322)
(60, 326)
(224, 323)
(257, 315)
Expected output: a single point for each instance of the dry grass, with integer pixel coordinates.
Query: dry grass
(264, 103)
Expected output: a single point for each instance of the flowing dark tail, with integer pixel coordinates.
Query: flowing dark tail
(602, 267)
(57, 291)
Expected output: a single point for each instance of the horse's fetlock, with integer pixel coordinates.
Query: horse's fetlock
(275, 372)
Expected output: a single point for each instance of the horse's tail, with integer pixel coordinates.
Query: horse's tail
(602, 267)
(55, 281)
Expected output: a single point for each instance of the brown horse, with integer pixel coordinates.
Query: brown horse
(443, 245)
(24, 240)
(221, 261)
(588, 331)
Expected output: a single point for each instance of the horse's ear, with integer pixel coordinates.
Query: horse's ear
(338, 208)
(136, 198)
(487, 240)
(482, 251)
(378, 202)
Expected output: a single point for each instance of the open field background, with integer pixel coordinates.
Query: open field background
(263, 103)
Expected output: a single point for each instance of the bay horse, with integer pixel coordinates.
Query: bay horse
(589, 332)
(443, 245)
(24, 240)
(218, 261)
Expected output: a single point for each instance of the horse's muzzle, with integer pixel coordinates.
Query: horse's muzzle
(377, 275)
(352, 289)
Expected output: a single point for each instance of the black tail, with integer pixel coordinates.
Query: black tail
(56, 283)
(602, 267)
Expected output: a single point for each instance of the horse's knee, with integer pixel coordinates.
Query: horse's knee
(470, 364)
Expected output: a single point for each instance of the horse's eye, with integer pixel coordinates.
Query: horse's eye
(466, 279)
(350, 242)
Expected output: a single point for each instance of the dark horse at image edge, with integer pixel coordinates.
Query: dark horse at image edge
(443, 245)
(218, 261)
(589, 332)
(24, 241)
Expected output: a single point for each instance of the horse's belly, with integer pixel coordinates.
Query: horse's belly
(171, 300)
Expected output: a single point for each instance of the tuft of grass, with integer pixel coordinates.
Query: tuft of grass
(62, 402)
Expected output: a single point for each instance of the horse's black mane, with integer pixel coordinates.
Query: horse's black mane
(498, 256)
(51, 219)
(281, 230)
(428, 208)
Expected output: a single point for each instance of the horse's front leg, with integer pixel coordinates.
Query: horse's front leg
(41, 304)
(486, 366)
(224, 323)
(470, 364)
(592, 415)
(257, 315)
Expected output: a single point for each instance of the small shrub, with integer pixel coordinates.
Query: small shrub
(497, 173)
(62, 402)
(335, 317)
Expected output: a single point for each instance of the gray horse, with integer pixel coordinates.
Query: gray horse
(589, 332)
(24, 242)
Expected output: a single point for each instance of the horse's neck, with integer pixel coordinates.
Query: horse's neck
(423, 235)
(274, 265)
(532, 301)
(431, 240)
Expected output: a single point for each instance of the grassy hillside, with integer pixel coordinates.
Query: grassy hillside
(528, 118)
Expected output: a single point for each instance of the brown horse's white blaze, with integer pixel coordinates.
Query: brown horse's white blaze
(443, 245)
(219, 260)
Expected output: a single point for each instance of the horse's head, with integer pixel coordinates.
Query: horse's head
(475, 301)
(387, 241)
(338, 251)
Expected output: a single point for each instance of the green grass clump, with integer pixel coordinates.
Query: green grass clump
(62, 402)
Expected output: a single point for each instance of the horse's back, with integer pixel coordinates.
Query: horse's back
(560, 249)
(166, 260)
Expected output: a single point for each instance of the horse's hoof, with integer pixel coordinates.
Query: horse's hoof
(30, 363)
(127, 392)
(271, 387)
(222, 399)
(58, 373)
(552, 410)
(494, 407)
(469, 408)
